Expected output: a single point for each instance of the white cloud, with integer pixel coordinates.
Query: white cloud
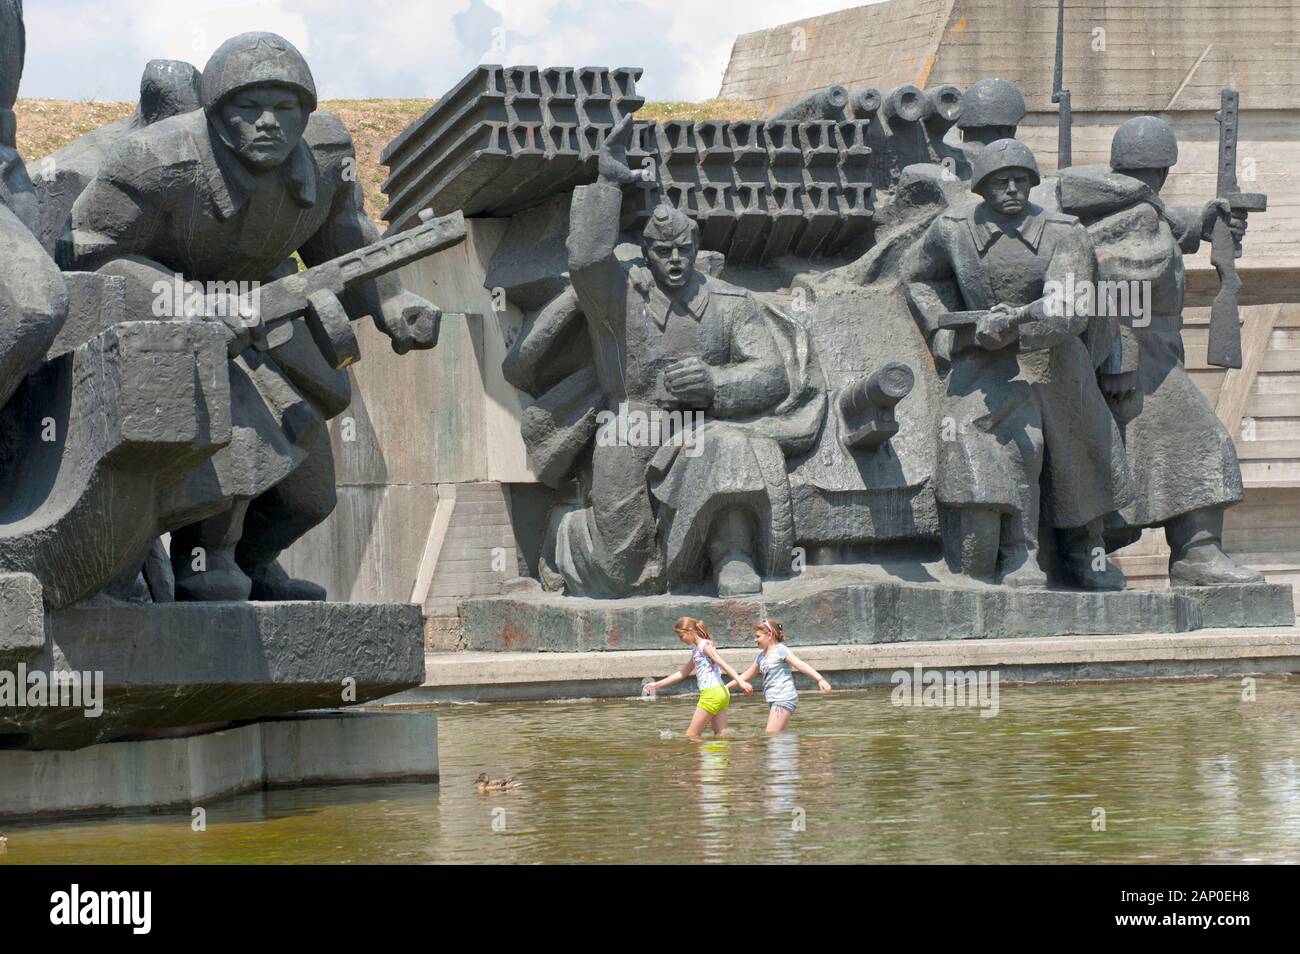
(79, 49)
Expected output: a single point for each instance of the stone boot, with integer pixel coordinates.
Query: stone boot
(731, 552)
(203, 558)
(1196, 555)
(271, 584)
(1018, 555)
(220, 579)
(1084, 561)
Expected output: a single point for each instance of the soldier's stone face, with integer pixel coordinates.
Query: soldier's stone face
(672, 260)
(264, 124)
(1007, 191)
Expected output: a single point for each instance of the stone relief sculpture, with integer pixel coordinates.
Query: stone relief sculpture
(1184, 462)
(202, 197)
(962, 406)
(140, 394)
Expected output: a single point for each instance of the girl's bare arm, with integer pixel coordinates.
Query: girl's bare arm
(712, 652)
(747, 675)
(797, 663)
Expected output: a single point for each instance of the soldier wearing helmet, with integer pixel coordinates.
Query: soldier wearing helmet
(1033, 442)
(991, 109)
(227, 194)
(1184, 461)
(668, 339)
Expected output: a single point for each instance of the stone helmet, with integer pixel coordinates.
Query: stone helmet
(1003, 154)
(1143, 142)
(991, 102)
(252, 59)
(666, 223)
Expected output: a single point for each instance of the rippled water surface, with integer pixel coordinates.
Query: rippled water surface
(1184, 772)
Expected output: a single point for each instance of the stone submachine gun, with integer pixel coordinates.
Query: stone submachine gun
(313, 294)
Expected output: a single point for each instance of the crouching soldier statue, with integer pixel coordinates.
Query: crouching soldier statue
(667, 340)
(228, 194)
(1184, 463)
(1026, 436)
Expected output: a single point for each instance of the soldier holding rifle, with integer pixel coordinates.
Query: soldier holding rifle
(226, 194)
(1184, 461)
(1030, 437)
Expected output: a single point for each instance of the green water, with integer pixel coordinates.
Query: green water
(1185, 771)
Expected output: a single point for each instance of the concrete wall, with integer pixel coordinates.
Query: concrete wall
(1139, 55)
(418, 422)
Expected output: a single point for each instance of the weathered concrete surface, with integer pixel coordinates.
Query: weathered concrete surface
(525, 676)
(1256, 604)
(188, 664)
(827, 605)
(1143, 55)
(22, 618)
(319, 748)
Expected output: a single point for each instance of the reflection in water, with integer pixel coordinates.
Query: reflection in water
(714, 802)
(1183, 772)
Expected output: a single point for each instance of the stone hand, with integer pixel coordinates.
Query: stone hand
(999, 329)
(1219, 208)
(1117, 387)
(690, 381)
(612, 161)
(411, 322)
(241, 328)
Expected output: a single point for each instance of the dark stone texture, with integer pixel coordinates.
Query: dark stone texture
(22, 621)
(185, 664)
(825, 606)
(1242, 605)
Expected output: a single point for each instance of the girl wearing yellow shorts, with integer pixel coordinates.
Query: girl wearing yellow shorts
(708, 667)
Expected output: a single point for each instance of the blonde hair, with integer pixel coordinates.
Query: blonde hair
(688, 624)
(774, 629)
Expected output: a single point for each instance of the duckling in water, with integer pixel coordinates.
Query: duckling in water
(485, 784)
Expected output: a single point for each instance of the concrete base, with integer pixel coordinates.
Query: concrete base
(864, 604)
(188, 664)
(1257, 604)
(529, 677)
(308, 749)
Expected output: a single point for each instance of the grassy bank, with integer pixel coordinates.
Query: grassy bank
(47, 125)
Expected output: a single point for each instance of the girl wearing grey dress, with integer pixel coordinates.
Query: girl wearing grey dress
(777, 664)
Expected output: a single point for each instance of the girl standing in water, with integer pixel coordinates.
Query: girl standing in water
(777, 664)
(708, 667)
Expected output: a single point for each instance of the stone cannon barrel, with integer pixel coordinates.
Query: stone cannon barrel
(828, 103)
(884, 387)
(866, 103)
(942, 108)
(904, 104)
(867, 405)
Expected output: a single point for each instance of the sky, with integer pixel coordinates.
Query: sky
(95, 49)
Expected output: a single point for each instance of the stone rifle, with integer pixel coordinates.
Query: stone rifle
(313, 293)
(1224, 348)
(1061, 96)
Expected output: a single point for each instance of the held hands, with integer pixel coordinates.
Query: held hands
(999, 329)
(611, 163)
(411, 322)
(690, 381)
(745, 686)
(823, 686)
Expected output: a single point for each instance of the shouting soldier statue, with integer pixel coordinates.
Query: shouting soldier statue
(668, 339)
(229, 194)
